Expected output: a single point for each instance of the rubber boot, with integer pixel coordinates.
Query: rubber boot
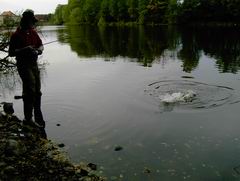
(37, 111)
(27, 108)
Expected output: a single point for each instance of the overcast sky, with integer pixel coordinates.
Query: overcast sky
(39, 6)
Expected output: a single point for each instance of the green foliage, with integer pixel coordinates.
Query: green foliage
(58, 15)
(104, 12)
(132, 9)
(102, 21)
(209, 11)
(148, 11)
(9, 22)
(91, 9)
(172, 11)
(75, 16)
(142, 9)
(65, 14)
(122, 10)
(113, 7)
(156, 11)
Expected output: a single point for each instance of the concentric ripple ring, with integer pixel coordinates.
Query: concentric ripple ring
(206, 95)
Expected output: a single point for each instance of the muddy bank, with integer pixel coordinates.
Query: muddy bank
(25, 154)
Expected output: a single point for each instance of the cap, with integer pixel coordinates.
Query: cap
(29, 15)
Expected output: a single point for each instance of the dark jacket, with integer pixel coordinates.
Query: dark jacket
(21, 39)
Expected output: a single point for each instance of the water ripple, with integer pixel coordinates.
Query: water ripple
(206, 95)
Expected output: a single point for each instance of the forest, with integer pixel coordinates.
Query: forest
(148, 12)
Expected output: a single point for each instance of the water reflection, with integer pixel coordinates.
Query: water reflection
(189, 52)
(9, 82)
(222, 44)
(150, 44)
(140, 44)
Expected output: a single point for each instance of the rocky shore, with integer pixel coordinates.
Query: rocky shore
(26, 154)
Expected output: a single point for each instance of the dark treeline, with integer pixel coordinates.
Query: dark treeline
(148, 11)
(148, 45)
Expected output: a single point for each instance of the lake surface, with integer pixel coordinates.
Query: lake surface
(104, 86)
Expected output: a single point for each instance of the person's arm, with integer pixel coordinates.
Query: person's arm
(39, 46)
(24, 49)
(14, 52)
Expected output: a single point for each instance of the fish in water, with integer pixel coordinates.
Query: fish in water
(175, 97)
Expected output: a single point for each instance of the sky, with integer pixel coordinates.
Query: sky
(38, 6)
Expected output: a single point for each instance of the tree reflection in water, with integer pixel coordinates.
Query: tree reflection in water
(148, 45)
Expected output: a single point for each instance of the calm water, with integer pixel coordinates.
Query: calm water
(103, 86)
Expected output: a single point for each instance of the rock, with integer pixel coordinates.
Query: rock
(13, 147)
(92, 166)
(9, 170)
(147, 171)
(2, 164)
(84, 172)
(14, 128)
(118, 148)
(187, 77)
(8, 108)
(61, 145)
(11, 144)
(68, 169)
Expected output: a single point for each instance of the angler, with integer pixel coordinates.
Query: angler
(26, 45)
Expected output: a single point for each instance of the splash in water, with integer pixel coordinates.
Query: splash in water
(187, 96)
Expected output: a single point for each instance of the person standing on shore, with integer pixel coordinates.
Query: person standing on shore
(26, 45)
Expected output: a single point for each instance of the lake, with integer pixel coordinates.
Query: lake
(109, 87)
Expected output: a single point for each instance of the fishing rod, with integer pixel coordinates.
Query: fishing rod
(47, 43)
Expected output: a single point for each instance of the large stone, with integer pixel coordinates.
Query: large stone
(13, 147)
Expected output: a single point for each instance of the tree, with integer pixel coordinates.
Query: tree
(5, 61)
(66, 14)
(148, 11)
(156, 10)
(105, 11)
(122, 10)
(172, 11)
(142, 9)
(58, 15)
(113, 7)
(91, 10)
(132, 9)
(75, 16)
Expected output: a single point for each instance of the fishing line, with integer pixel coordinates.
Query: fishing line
(47, 43)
